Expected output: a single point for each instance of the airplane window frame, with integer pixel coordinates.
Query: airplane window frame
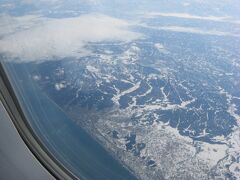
(11, 103)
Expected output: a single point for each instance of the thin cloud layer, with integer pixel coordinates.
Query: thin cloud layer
(191, 16)
(39, 38)
(192, 30)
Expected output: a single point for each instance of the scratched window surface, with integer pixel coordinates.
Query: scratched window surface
(132, 89)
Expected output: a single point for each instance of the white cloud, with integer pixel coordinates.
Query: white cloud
(10, 25)
(160, 48)
(190, 16)
(7, 5)
(193, 30)
(32, 38)
(59, 86)
(185, 4)
(60, 2)
(39, 1)
(190, 30)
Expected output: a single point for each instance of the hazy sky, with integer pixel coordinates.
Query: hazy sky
(44, 30)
